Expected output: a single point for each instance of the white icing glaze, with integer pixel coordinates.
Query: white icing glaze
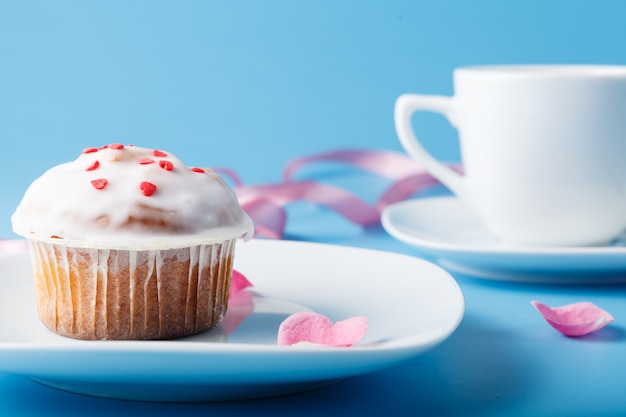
(186, 208)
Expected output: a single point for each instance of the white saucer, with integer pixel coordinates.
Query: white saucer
(447, 230)
(411, 305)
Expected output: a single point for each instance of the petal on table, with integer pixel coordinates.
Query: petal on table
(576, 319)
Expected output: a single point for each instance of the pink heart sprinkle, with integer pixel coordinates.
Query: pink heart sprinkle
(316, 328)
(576, 319)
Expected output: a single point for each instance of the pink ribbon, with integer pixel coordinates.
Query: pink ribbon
(12, 245)
(265, 204)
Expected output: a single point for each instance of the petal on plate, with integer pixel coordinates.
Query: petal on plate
(240, 302)
(240, 306)
(238, 283)
(318, 329)
(576, 319)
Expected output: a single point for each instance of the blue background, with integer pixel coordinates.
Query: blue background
(252, 84)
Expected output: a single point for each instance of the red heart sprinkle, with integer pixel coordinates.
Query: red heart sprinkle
(145, 161)
(147, 188)
(99, 184)
(116, 146)
(194, 169)
(94, 165)
(157, 152)
(166, 165)
(90, 150)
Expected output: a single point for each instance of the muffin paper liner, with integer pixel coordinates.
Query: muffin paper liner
(125, 294)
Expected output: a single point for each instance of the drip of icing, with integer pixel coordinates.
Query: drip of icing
(185, 207)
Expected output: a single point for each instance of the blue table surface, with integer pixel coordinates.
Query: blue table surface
(250, 85)
(502, 360)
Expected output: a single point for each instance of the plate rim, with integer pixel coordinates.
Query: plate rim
(388, 353)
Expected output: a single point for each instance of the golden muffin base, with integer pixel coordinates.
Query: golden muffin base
(106, 294)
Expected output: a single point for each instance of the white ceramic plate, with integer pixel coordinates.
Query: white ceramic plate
(447, 230)
(411, 305)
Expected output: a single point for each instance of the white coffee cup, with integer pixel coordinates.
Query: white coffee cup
(543, 150)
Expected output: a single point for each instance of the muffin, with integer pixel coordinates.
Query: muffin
(127, 243)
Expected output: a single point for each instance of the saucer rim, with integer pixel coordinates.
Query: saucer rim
(388, 224)
(553, 265)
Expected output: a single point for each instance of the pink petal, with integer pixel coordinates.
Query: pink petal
(316, 328)
(238, 283)
(240, 302)
(576, 319)
(240, 306)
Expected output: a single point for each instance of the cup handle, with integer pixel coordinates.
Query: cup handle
(406, 105)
